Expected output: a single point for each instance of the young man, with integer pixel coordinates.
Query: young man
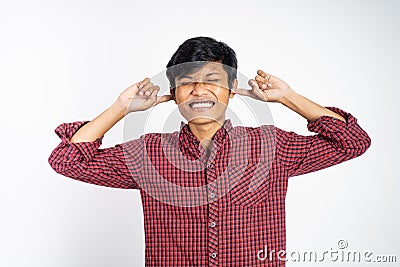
(195, 183)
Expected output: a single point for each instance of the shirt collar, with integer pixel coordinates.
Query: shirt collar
(226, 127)
(188, 140)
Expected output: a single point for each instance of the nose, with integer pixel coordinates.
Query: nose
(200, 88)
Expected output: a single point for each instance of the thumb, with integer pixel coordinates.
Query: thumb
(153, 95)
(253, 84)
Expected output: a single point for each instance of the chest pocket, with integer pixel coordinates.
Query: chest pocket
(248, 184)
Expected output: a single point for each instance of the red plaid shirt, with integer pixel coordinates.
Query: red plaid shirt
(235, 203)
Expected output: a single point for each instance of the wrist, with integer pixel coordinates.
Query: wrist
(288, 98)
(118, 109)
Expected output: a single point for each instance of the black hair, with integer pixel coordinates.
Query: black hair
(201, 50)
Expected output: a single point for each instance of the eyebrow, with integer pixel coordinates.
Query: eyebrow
(189, 77)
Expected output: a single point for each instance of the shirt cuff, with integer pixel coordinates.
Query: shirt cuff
(331, 124)
(66, 130)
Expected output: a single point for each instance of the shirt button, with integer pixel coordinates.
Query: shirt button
(213, 224)
(210, 166)
(212, 195)
(333, 119)
(213, 255)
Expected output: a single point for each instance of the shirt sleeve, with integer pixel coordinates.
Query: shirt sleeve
(336, 141)
(86, 162)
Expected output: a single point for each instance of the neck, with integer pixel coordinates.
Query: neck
(205, 131)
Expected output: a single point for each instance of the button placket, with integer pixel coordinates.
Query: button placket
(213, 234)
(213, 217)
(212, 187)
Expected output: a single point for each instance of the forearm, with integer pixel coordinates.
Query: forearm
(100, 125)
(307, 108)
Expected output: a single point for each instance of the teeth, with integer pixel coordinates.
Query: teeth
(202, 104)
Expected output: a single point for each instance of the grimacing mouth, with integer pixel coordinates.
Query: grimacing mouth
(202, 103)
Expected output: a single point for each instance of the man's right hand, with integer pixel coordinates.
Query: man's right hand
(141, 96)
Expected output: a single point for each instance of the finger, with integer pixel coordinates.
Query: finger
(254, 85)
(262, 82)
(262, 73)
(164, 98)
(147, 87)
(143, 83)
(259, 78)
(241, 91)
(262, 85)
(265, 75)
(153, 95)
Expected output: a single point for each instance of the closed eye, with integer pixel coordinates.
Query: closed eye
(185, 83)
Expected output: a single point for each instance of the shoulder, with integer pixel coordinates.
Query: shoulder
(137, 145)
(269, 132)
(156, 138)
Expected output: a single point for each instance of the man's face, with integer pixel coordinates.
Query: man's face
(203, 96)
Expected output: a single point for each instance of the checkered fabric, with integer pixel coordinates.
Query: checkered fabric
(225, 209)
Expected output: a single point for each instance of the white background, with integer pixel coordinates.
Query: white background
(64, 61)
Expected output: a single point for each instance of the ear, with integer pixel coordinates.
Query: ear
(172, 92)
(234, 86)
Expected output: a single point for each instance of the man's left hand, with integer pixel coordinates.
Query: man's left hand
(265, 87)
